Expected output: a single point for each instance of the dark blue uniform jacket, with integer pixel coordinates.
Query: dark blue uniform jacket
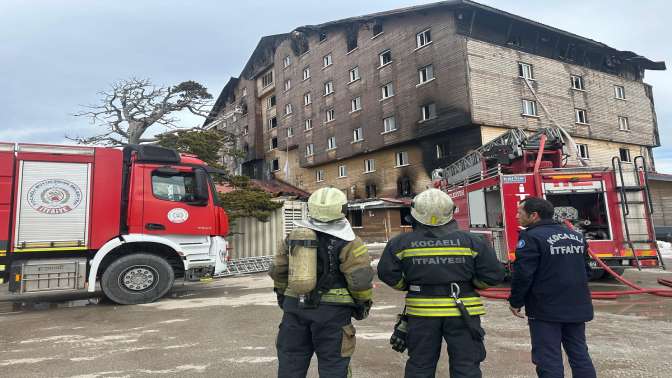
(550, 274)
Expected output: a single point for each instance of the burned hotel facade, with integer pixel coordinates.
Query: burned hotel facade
(372, 104)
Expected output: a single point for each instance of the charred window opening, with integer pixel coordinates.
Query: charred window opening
(405, 215)
(323, 36)
(351, 37)
(275, 165)
(299, 44)
(243, 108)
(371, 191)
(404, 187)
(355, 217)
(377, 27)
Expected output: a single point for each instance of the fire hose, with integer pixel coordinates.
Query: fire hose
(504, 293)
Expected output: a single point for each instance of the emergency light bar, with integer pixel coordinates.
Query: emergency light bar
(61, 150)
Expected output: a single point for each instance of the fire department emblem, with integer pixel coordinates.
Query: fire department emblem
(54, 196)
(178, 215)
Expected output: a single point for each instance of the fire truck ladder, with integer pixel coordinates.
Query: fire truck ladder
(636, 205)
(247, 265)
(473, 164)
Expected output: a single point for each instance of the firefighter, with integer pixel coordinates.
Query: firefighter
(323, 277)
(440, 267)
(550, 279)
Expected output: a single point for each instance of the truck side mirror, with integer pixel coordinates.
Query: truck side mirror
(201, 194)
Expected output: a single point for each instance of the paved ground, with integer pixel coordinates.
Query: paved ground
(227, 328)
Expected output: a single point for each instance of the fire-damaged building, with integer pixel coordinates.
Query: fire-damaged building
(373, 104)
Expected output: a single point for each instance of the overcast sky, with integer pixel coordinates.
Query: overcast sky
(55, 55)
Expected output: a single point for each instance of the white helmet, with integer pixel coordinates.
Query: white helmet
(327, 204)
(432, 207)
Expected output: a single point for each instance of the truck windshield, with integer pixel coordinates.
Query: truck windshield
(177, 187)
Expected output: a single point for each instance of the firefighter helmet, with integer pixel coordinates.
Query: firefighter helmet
(327, 204)
(432, 207)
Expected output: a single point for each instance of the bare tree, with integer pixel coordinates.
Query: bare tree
(132, 106)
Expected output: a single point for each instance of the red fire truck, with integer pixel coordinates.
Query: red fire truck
(131, 219)
(611, 206)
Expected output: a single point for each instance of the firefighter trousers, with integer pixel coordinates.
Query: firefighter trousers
(547, 337)
(424, 340)
(326, 331)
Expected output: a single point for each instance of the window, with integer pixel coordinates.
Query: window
(582, 150)
(306, 73)
(288, 109)
(404, 186)
(243, 109)
(288, 85)
(389, 124)
(426, 73)
(309, 149)
(357, 135)
(387, 90)
(371, 191)
(619, 92)
(307, 100)
(331, 143)
(377, 28)
(319, 175)
(352, 42)
(401, 158)
(323, 36)
(328, 88)
(623, 124)
(385, 57)
(423, 38)
(275, 165)
(369, 165)
(525, 71)
(329, 115)
(287, 61)
(246, 130)
(273, 123)
(356, 104)
(177, 187)
(274, 143)
(355, 217)
(342, 171)
(267, 79)
(428, 112)
(441, 150)
(290, 132)
(270, 102)
(405, 215)
(244, 92)
(577, 82)
(581, 116)
(625, 154)
(326, 60)
(530, 108)
(308, 124)
(354, 74)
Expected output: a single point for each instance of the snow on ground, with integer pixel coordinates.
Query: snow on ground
(665, 248)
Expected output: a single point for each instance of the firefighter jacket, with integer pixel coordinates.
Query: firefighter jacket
(426, 261)
(344, 273)
(550, 274)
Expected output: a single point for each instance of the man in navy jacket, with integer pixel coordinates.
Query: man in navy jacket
(550, 279)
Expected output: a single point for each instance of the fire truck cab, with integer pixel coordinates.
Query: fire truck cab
(132, 220)
(610, 206)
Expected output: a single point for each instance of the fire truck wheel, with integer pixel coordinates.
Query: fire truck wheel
(137, 278)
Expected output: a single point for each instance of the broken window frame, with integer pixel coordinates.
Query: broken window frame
(581, 116)
(272, 123)
(275, 165)
(376, 29)
(423, 38)
(385, 58)
(577, 82)
(426, 74)
(525, 71)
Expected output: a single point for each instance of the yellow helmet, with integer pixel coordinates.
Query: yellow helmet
(433, 207)
(327, 204)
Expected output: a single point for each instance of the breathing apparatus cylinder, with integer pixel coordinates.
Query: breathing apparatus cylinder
(302, 260)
